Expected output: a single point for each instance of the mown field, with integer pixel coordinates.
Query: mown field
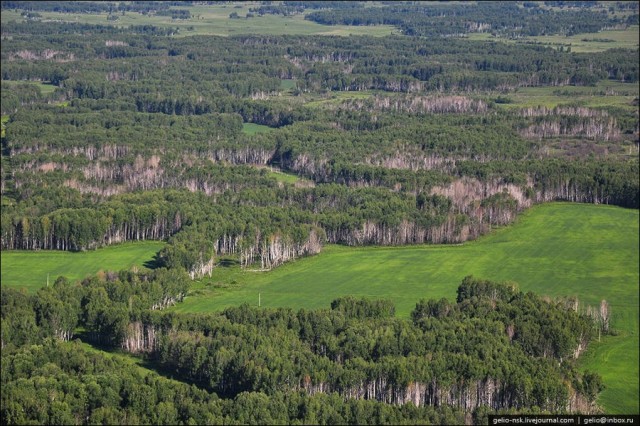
(557, 250)
(29, 269)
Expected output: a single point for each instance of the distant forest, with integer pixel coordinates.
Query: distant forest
(150, 141)
(405, 139)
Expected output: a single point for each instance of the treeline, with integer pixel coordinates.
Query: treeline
(495, 350)
(57, 28)
(394, 64)
(460, 19)
(104, 305)
(359, 351)
(441, 179)
(393, 168)
(92, 388)
(143, 7)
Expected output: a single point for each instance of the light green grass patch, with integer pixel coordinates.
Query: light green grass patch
(44, 87)
(591, 42)
(280, 176)
(579, 43)
(557, 249)
(287, 84)
(252, 128)
(5, 120)
(335, 97)
(605, 93)
(29, 269)
(283, 177)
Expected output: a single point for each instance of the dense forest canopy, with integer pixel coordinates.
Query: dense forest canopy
(116, 133)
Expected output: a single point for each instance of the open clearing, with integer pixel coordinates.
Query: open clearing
(606, 93)
(252, 128)
(558, 249)
(45, 88)
(579, 43)
(215, 20)
(29, 269)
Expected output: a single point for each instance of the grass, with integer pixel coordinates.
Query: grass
(593, 42)
(214, 20)
(579, 43)
(605, 94)
(287, 84)
(4, 121)
(283, 177)
(44, 87)
(252, 128)
(557, 249)
(29, 269)
(335, 98)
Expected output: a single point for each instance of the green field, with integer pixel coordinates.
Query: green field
(4, 121)
(606, 93)
(579, 43)
(287, 84)
(594, 42)
(558, 249)
(215, 20)
(333, 99)
(29, 269)
(283, 177)
(45, 88)
(252, 128)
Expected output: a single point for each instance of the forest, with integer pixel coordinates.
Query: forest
(116, 133)
(495, 349)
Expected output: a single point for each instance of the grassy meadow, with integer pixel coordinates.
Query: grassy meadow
(29, 269)
(4, 121)
(45, 88)
(557, 250)
(606, 93)
(252, 128)
(215, 20)
(579, 43)
(594, 42)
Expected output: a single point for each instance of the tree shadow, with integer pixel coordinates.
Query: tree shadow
(154, 263)
(228, 263)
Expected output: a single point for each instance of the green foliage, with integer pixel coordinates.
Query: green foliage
(351, 307)
(457, 19)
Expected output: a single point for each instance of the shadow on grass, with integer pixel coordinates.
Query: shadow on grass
(154, 263)
(228, 263)
(150, 362)
(157, 262)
